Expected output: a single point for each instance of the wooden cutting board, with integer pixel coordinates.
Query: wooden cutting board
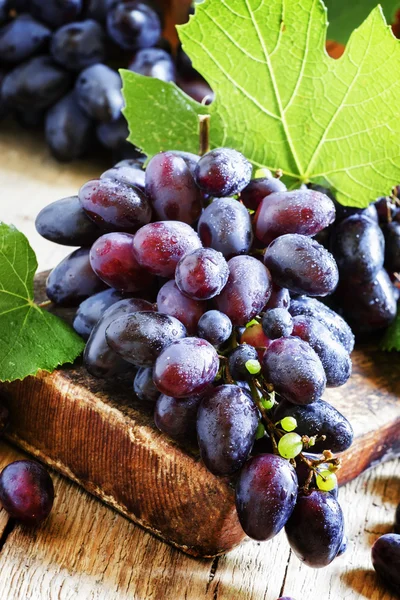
(98, 435)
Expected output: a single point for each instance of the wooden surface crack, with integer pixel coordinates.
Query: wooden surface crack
(285, 574)
(213, 570)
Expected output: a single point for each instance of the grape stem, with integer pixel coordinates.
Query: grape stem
(44, 303)
(204, 134)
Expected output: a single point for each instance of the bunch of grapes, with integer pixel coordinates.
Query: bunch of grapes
(366, 246)
(59, 65)
(202, 283)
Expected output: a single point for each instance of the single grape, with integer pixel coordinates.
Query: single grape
(26, 491)
(276, 323)
(290, 445)
(79, 45)
(258, 189)
(288, 424)
(159, 246)
(114, 135)
(65, 222)
(69, 131)
(56, 12)
(294, 370)
(133, 25)
(129, 175)
(143, 385)
(334, 322)
(38, 83)
(223, 172)
(315, 528)
(92, 309)
(186, 367)
(21, 38)
(115, 206)
(171, 188)
(316, 419)
(300, 264)
(171, 301)
(343, 212)
(358, 246)
(202, 274)
(225, 226)
(113, 261)
(334, 357)
(99, 359)
(73, 280)
(247, 290)
(303, 212)
(280, 298)
(215, 327)
(177, 417)
(98, 91)
(141, 337)
(154, 62)
(326, 480)
(265, 495)
(227, 421)
(370, 306)
(392, 246)
(238, 359)
(386, 560)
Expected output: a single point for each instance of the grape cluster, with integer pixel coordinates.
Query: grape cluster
(366, 246)
(59, 68)
(202, 285)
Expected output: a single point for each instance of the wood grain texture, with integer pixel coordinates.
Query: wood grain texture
(99, 435)
(84, 551)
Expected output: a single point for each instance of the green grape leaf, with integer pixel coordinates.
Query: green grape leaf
(31, 339)
(280, 98)
(345, 16)
(391, 338)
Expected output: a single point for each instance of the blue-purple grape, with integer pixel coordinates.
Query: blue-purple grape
(79, 45)
(56, 12)
(247, 290)
(215, 327)
(114, 135)
(69, 131)
(154, 62)
(65, 222)
(295, 370)
(225, 226)
(276, 323)
(73, 280)
(227, 421)
(237, 361)
(129, 175)
(39, 82)
(316, 419)
(92, 309)
(139, 338)
(21, 38)
(334, 322)
(143, 385)
(171, 301)
(186, 367)
(223, 172)
(358, 246)
(300, 264)
(334, 357)
(202, 274)
(133, 25)
(176, 417)
(99, 358)
(258, 189)
(266, 493)
(315, 528)
(98, 91)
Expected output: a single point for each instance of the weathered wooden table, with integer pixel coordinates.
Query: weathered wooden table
(87, 551)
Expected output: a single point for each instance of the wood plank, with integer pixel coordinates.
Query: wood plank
(85, 551)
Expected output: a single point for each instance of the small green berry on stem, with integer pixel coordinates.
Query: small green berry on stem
(253, 366)
(289, 424)
(290, 445)
(326, 480)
